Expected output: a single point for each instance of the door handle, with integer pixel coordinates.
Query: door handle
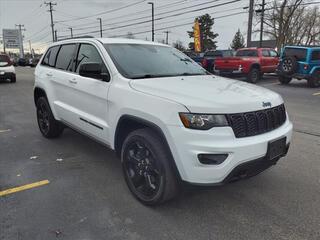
(73, 81)
(49, 74)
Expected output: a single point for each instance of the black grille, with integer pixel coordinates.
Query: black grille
(255, 123)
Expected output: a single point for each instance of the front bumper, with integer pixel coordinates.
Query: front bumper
(6, 75)
(295, 75)
(186, 144)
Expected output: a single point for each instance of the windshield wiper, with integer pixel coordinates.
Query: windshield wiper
(148, 76)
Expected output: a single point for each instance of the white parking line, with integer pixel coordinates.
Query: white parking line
(316, 94)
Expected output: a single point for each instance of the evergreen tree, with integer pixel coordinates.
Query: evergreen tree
(208, 36)
(238, 41)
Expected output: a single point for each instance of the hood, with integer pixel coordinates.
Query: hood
(209, 94)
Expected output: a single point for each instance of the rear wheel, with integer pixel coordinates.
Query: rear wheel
(147, 169)
(254, 75)
(49, 127)
(314, 81)
(284, 80)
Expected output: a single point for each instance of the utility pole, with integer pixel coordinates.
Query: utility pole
(100, 20)
(152, 5)
(55, 36)
(167, 36)
(249, 32)
(51, 4)
(21, 39)
(30, 49)
(262, 21)
(71, 32)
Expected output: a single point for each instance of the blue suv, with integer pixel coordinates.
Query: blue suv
(300, 62)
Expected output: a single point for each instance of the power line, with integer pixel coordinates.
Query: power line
(160, 18)
(104, 12)
(158, 14)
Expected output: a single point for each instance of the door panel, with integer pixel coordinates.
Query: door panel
(89, 97)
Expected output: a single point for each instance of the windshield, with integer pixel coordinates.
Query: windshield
(247, 53)
(149, 61)
(4, 60)
(299, 53)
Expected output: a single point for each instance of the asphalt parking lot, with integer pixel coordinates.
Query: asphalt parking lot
(86, 196)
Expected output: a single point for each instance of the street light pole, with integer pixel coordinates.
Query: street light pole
(100, 20)
(262, 21)
(152, 5)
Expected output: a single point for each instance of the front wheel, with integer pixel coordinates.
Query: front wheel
(147, 168)
(284, 80)
(314, 81)
(254, 75)
(48, 125)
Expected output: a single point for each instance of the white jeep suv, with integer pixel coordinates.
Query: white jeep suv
(167, 118)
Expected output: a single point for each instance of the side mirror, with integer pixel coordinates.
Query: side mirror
(93, 70)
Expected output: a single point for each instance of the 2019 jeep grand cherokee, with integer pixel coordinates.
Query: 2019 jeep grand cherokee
(167, 119)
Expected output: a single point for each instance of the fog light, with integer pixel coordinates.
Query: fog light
(212, 159)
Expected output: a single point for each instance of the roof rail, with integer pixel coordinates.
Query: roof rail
(85, 36)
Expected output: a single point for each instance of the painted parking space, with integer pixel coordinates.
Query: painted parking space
(23, 187)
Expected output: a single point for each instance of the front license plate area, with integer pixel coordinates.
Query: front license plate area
(277, 148)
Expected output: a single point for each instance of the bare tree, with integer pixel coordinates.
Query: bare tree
(292, 22)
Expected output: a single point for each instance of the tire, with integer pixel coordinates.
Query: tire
(289, 65)
(48, 125)
(314, 81)
(284, 80)
(147, 168)
(254, 75)
(13, 79)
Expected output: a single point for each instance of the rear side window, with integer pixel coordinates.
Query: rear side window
(50, 57)
(273, 53)
(299, 53)
(247, 53)
(65, 57)
(265, 53)
(315, 55)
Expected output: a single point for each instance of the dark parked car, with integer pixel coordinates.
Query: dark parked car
(210, 56)
(197, 57)
(22, 62)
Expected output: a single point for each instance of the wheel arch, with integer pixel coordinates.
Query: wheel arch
(129, 123)
(37, 93)
(255, 65)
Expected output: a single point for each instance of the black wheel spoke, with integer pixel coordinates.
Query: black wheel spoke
(141, 169)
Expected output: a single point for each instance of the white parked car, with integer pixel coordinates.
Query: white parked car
(7, 71)
(168, 120)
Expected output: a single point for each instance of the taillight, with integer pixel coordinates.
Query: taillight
(204, 63)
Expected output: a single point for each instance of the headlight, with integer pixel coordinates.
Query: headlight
(203, 121)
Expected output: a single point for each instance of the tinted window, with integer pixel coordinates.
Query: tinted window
(299, 53)
(50, 57)
(4, 60)
(227, 53)
(89, 54)
(213, 54)
(273, 53)
(65, 57)
(315, 55)
(247, 53)
(150, 61)
(265, 53)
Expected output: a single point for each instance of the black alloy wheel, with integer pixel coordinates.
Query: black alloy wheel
(146, 168)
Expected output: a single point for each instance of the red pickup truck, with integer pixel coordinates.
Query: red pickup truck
(251, 62)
